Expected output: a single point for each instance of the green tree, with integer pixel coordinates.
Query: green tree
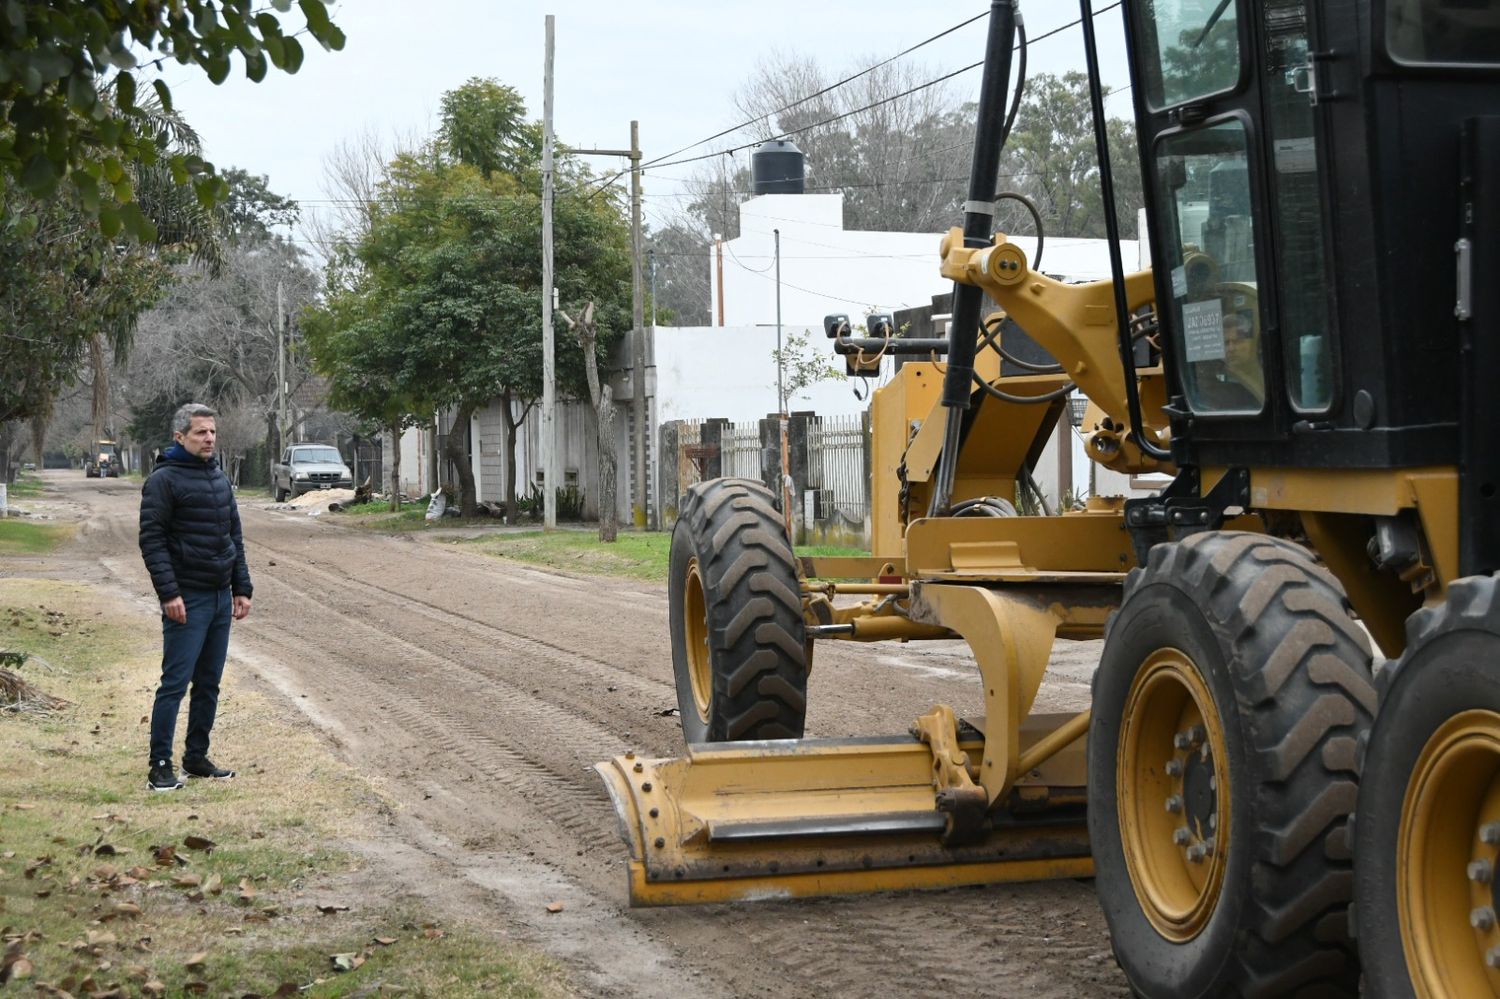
(69, 80)
(449, 269)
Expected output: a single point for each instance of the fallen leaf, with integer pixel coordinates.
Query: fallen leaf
(213, 884)
(286, 990)
(101, 939)
(8, 854)
(329, 910)
(136, 972)
(44, 893)
(197, 988)
(23, 806)
(140, 873)
(247, 890)
(36, 865)
(16, 970)
(385, 941)
(554, 907)
(432, 933)
(187, 881)
(154, 988)
(127, 909)
(196, 961)
(199, 843)
(346, 962)
(105, 850)
(166, 856)
(196, 896)
(257, 835)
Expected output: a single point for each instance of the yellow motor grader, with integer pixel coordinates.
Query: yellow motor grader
(1313, 360)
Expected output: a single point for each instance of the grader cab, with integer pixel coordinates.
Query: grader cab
(1313, 361)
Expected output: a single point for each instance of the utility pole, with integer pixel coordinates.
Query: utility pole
(786, 473)
(651, 258)
(549, 371)
(640, 412)
(281, 400)
(638, 335)
(719, 267)
(780, 360)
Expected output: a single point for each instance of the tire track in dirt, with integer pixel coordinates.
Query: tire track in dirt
(426, 708)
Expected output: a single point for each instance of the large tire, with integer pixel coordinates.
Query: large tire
(1427, 832)
(1227, 706)
(280, 494)
(738, 635)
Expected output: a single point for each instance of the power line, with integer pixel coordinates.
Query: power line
(820, 93)
(874, 104)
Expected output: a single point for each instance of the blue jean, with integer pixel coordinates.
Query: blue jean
(192, 652)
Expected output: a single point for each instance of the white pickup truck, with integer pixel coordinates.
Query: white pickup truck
(306, 467)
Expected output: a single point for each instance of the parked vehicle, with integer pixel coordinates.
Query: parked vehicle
(306, 467)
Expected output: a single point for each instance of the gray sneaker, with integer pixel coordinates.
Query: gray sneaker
(163, 777)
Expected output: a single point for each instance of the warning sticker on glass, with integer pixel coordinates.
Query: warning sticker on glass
(1179, 281)
(1203, 330)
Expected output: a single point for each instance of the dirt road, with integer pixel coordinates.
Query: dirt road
(478, 693)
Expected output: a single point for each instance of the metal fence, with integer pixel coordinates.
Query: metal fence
(838, 467)
(740, 451)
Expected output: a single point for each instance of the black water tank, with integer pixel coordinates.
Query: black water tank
(777, 168)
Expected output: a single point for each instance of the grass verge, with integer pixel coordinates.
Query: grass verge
(20, 537)
(28, 485)
(225, 888)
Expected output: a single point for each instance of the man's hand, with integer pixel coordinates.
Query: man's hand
(175, 610)
(241, 608)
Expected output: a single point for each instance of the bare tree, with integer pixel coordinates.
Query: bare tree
(587, 331)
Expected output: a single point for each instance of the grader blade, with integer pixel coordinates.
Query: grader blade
(775, 819)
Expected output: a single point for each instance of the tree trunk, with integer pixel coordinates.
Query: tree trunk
(273, 448)
(602, 397)
(458, 432)
(7, 431)
(509, 445)
(395, 431)
(605, 412)
(39, 436)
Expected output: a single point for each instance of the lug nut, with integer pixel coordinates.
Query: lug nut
(1182, 836)
(1482, 918)
(1174, 804)
(1174, 768)
(1489, 834)
(1492, 957)
(1213, 822)
(638, 768)
(1196, 853)
(1480, 871)
(1189, 739)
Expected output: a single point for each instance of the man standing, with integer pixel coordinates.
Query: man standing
(190, 539)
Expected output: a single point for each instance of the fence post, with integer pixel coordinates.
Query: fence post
(712, 435)
(865, 439)
(770, 456)
(799, 454)
(666, 479)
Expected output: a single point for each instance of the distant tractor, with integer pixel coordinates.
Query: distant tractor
(103, 461)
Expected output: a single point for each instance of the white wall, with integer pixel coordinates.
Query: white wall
(706, 372)
(825, 269)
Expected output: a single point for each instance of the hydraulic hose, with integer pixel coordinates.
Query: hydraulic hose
(979, 219)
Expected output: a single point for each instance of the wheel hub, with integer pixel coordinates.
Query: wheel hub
(695, 629)
(1448, 852)
(1173, 806)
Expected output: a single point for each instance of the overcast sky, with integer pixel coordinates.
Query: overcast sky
(670, 64)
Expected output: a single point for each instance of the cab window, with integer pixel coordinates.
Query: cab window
(1215, 309)
(1191, 49)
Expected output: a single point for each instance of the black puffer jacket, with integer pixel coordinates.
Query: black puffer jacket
(190, 528)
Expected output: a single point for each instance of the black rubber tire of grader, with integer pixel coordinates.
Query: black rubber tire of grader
(1271, 638)
(729, 533)
(1447, 669)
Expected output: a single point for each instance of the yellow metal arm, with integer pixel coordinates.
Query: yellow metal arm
(1076, 324)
